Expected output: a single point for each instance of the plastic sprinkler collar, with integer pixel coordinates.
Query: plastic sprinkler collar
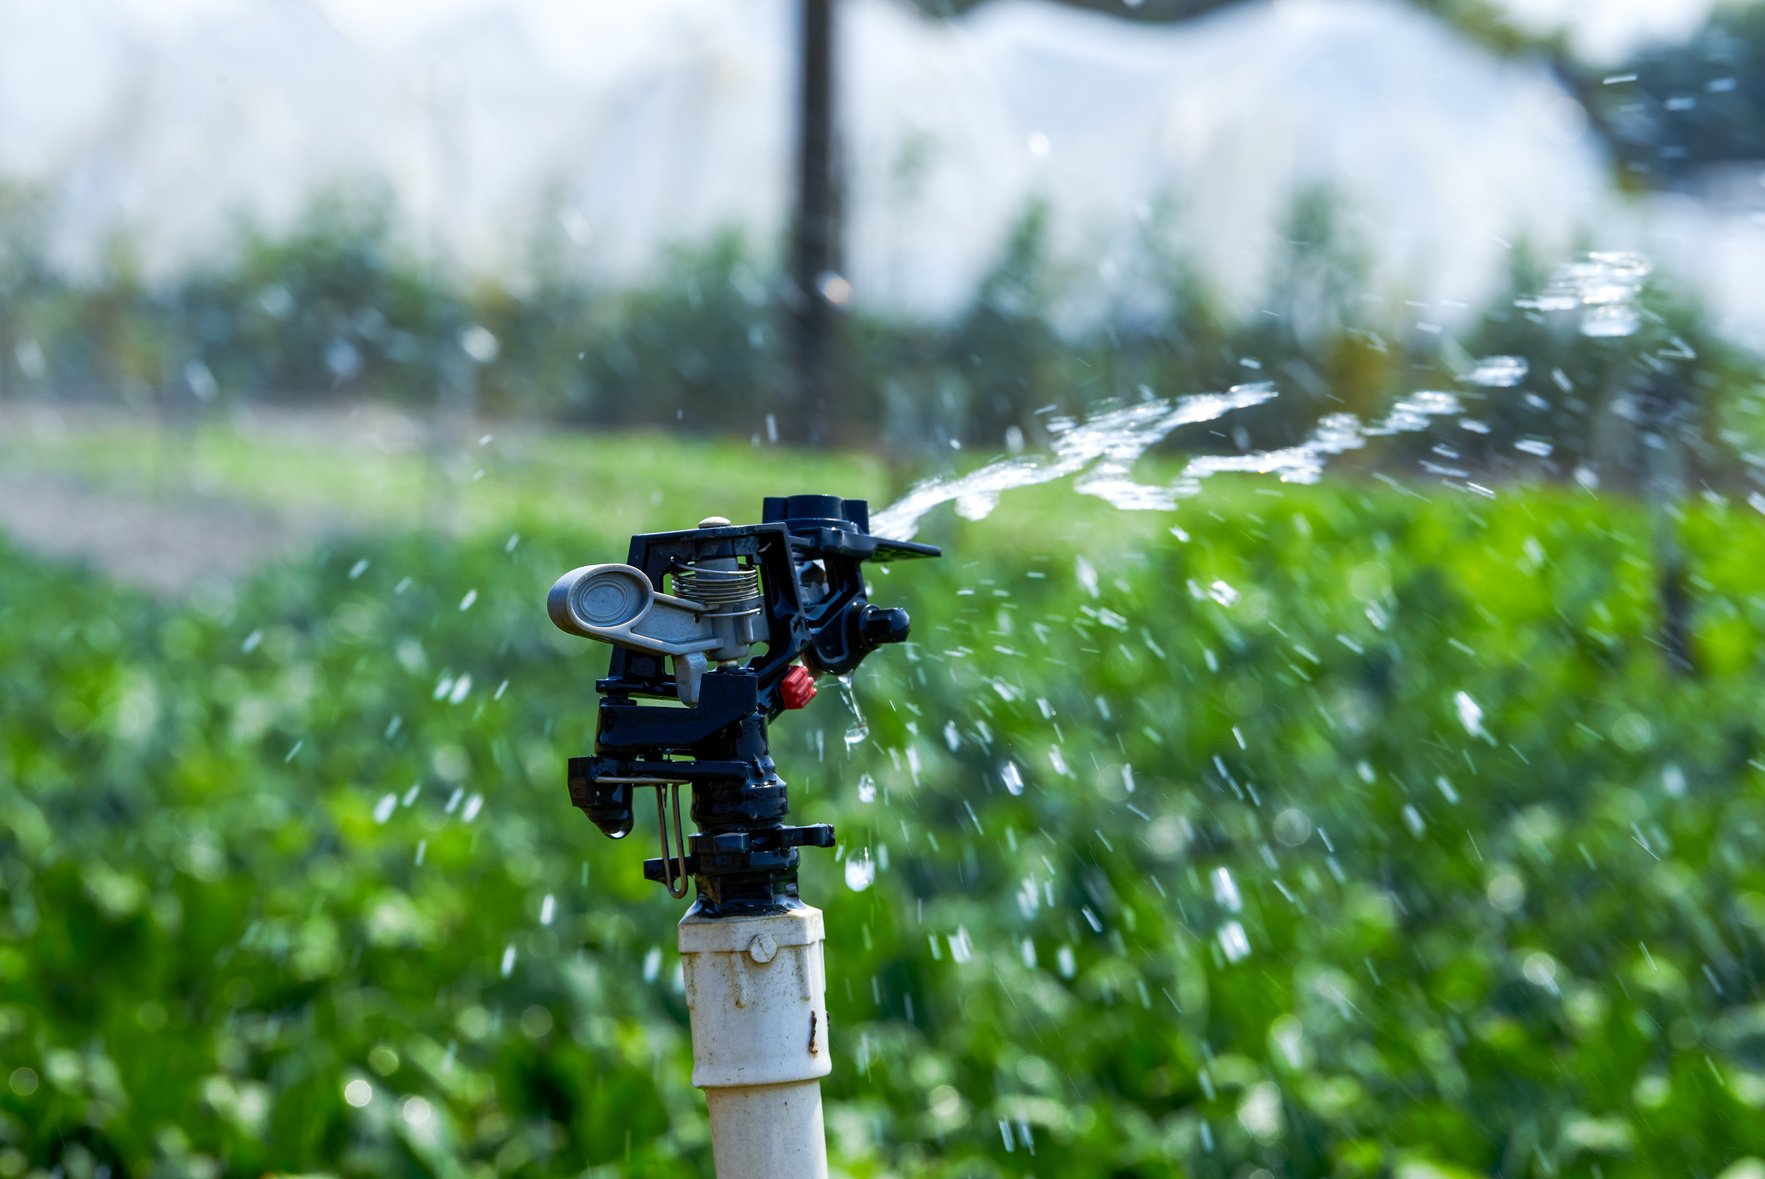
(792, 585)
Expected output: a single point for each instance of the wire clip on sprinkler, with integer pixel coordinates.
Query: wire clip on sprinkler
(792, 585)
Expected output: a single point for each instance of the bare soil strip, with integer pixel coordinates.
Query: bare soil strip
(167, 545)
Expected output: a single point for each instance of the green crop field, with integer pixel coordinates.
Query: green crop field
(1355, 834)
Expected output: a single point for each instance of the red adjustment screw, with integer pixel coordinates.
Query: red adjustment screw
(797, 687)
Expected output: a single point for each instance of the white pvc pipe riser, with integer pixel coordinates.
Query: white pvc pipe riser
(768, 1132)
(757, 991)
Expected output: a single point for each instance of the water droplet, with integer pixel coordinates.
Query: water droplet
(1470, 713)
(547, 909)
(859, 729)
(1540, 970)
(508, 966)
(1505, 891)
(1234, 942)
(866, 788)
(358, 1093)
(415, 1112)
(1012, 777)
(478, 343)
(1260, 1112)
(860, 871)
(1292, 827)
(1225, 890)
(384, 808)
(1087, 576)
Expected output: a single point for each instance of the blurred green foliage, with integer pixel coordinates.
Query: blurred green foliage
(341, 307)
(1357, 835)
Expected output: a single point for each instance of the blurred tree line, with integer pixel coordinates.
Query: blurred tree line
(1482, 19)
(1674, 112)
(337, 308)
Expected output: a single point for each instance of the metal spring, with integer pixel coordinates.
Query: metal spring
(717, 587)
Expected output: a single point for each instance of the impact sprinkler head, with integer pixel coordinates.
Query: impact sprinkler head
(684, 617)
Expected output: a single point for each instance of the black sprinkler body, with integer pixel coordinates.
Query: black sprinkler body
(684, 616)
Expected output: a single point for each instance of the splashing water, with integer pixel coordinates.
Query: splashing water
(1334, 434)
(1412, 413)
(1604, 287)
(1498, 372)
(1105, 447)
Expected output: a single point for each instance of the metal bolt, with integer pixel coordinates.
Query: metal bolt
(762, 949)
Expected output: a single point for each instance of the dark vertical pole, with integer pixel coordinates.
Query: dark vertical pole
(815, 236)
(1668, 407)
